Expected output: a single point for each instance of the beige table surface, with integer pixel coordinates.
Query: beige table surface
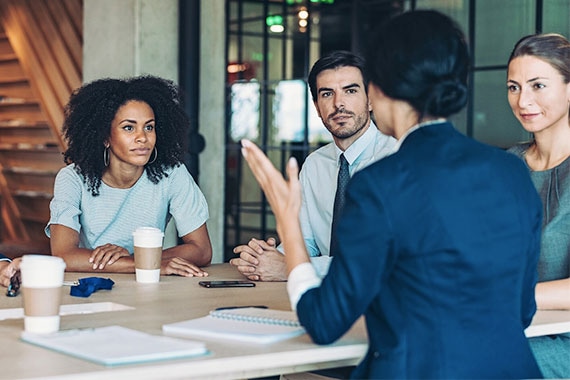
(173, 299)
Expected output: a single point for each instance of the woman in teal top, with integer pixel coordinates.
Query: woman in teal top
(538, 83)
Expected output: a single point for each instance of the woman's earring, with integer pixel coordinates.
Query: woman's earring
(155, 156)
(106, 156)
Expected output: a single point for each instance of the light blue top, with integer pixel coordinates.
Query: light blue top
(113, 215)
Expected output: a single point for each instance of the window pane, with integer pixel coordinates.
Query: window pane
(244, 113)
(276, 27)
(252, 53)
(253, 18)
(275, 58)
(232, 49)
(291, 105)
(459, 120)
(498, 26)
(244, 64)
(556, 17)
(458, 10)
(493, 120)
(233, 16)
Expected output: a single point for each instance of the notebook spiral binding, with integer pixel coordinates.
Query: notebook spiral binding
(272, 317)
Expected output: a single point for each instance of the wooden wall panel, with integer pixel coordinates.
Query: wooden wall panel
(74, 10)
(69, 29)
(41, 50)
(46, 37)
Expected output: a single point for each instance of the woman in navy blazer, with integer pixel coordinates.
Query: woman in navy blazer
(439, 242)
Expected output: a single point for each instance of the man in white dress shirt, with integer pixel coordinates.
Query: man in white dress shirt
(338, 87)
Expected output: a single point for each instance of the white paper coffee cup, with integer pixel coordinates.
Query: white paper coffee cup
(147, 242)
(147, 275)
(42, 279)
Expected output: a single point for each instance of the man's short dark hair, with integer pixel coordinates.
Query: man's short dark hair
(334, 60)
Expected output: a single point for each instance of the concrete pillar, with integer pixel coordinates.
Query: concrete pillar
(130, 37)
(212, 116)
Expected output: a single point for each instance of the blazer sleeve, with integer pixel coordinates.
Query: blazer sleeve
(328, 311)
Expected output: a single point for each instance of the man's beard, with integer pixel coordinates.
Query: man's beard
(343, 132)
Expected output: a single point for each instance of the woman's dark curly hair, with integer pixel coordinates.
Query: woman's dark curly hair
(92, 108)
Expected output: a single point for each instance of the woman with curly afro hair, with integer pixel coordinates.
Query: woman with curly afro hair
(125, 146)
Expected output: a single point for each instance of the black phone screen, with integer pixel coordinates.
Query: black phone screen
(227, 284)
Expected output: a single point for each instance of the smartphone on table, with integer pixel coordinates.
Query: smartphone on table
(227, 284)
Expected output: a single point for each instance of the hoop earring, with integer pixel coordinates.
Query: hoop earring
(106, 156)
(155, 156)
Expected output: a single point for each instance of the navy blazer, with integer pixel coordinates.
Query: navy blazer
(439, 245)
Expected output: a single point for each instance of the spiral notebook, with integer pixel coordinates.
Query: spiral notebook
(253, 325)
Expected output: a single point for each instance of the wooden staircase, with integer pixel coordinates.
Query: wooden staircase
(39, 68)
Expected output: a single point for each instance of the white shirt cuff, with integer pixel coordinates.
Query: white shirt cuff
(302, 278)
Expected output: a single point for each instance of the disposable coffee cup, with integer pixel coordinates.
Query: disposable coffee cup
(42, 279)
(148, 253)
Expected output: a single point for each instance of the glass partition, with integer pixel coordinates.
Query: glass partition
(272, 44)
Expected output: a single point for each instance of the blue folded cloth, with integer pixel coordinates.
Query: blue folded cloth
(89, 285)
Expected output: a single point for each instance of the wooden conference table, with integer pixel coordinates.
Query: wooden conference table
(146, 307)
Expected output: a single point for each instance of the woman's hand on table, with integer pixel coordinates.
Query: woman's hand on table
(106, 255)
(181, 267)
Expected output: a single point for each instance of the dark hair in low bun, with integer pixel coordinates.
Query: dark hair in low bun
(445, 98)
(421, 57)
